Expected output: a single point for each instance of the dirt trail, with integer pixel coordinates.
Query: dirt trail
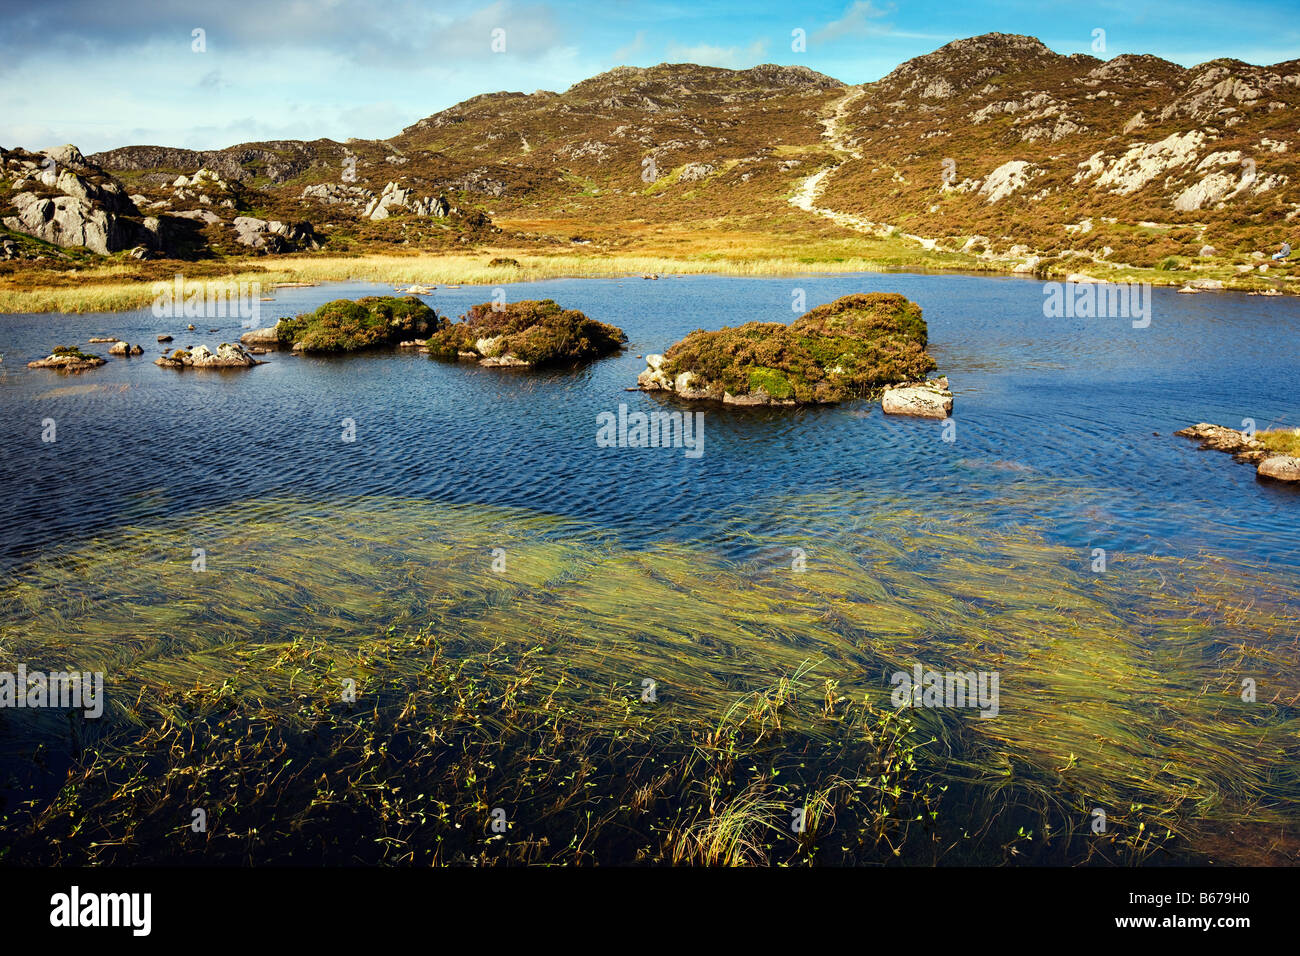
(810, 188)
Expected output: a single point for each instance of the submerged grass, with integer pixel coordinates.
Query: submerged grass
(529, 692)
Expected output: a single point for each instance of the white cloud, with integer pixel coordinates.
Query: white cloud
(625, 53)
(856, 22)
(731, 57)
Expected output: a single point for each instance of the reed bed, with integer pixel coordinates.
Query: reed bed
(523, 695)
(115, 288)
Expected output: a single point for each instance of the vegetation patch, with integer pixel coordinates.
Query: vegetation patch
(849, 348)
(532, 332)
(1285, 441)
(346, 326)
(392, 722)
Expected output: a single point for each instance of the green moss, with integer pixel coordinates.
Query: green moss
(770, 380)
(538, 332)
(346, 326)
(851, 347)
(71, 351)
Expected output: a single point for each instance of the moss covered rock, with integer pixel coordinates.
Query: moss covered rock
(528, 334)
(68, 358)
(852, 347)
(347, 326)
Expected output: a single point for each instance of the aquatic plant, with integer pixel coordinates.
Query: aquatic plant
(669, 703)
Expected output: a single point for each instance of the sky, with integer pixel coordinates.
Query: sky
(206, 75)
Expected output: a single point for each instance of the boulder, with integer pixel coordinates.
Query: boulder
(654, 378)
(928, 399)
(263, 337)
(272, 235)
(124, 348)
(1279, 468)
(69, 221)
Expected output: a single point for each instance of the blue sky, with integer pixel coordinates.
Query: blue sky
(101, 74)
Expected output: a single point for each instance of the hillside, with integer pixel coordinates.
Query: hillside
(994, 151)
(1131, 160)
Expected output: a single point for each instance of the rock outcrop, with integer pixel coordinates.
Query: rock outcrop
(397, 197)
(274, 236)
(226, 356)
(1212, 437)
(68, 359)
(63, 199)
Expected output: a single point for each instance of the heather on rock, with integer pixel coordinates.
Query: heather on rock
(528, 333)
(347, 326)
(848, 348)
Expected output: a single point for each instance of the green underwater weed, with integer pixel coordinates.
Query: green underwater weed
(354, 683)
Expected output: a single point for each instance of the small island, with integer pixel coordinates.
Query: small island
(854, 347)
(343, 325)
(527, 334)
(68, 358)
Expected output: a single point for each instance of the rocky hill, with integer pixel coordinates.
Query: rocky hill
(995, 145)
(996, 141)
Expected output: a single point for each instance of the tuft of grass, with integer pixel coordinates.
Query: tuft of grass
(1281, 441)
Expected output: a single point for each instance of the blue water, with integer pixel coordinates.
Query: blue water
(1054, 420)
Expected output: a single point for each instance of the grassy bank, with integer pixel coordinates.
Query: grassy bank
(622, 249)
(524, 691)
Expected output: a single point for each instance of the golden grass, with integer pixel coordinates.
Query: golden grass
(1283, 441)
(789, 245)
(634, 248)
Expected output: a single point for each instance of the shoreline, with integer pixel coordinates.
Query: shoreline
(118, 287)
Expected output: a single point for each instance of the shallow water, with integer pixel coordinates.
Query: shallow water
(1119, 689)
(1073, 402)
